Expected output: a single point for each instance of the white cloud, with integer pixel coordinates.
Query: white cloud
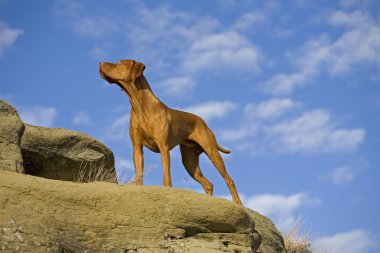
(283, 32)
(195, 43)
(269, 109)
(307, 61)
(177, 86)
(342, 175)
(38, 115)
(283, 209)
(354, 241)
(255, 113)
(119, 129)
(125, 164)
(168, 41)
(248, 21)
(233, 135)
(351, 3)
(227, 3)
(276, 205)
(211, 109)
(284, 84)
(313, 132)
(90, 25)
(162, 36)
(66, 8)
(358, 45)
(346, 173)
(81, 118)
(125, 170)
(7, 36)
(97, 27)
(227, 50)
(98, 53)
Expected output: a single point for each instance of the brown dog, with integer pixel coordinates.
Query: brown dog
(160, 128)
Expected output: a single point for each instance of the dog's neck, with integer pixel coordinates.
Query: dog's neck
(140, 95)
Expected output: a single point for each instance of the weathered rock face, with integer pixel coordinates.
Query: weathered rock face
(41, 215)
(57, 153)
(272, 240)
(11, 129)
(53, 153)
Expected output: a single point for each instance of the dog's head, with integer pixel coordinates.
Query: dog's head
(123, 71)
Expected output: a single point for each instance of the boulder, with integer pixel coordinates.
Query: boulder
(41, 215)
(11, 130)
(58, 153)
(272, 240)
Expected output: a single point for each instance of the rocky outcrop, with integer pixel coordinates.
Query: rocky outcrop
(272, 240)
(11, 130)
(54, 153)
(58, 153)
(41, 215)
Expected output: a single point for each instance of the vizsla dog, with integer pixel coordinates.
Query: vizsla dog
(161, 128)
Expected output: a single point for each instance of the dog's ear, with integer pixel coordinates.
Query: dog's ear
(137, 70)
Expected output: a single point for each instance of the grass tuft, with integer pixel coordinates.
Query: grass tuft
(96, 173)
(299, 242)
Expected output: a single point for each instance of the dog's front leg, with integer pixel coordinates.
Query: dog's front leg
(138, 160)
(165, 158)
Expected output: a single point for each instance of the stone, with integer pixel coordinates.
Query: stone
(58, 153)
(271, 237)
(42, 215)
(11, 130)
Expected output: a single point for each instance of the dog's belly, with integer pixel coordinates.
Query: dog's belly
(192, 144)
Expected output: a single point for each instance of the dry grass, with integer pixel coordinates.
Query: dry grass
(296, 242)
(299, 242)
(98, 173)
(95, 173)
(146, 171)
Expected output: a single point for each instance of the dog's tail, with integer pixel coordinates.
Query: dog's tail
(226, 151)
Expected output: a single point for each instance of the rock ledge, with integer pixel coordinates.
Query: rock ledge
(42, 215)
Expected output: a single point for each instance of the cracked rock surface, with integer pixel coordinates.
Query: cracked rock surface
(54, 153)
(11, 130)
(59, 153)
(42, 215)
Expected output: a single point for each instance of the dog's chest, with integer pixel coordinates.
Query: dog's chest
(150, 143)
(146, 132)
(152, 128)
(147, 129)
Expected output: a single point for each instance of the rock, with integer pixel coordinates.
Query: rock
(58, 153)
(272, 240)
(41, 215)
(11, 130)
(53, 153)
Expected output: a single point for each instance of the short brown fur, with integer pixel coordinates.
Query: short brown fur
(161, 128)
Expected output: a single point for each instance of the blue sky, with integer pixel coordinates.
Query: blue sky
(291, 87)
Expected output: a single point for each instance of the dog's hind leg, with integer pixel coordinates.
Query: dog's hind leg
(190, 159)
(208, 142)
(217, 160)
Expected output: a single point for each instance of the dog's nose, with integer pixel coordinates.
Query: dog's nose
(101, 64)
